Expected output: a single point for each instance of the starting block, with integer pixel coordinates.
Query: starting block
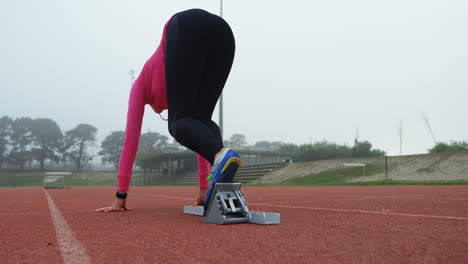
(228, 206)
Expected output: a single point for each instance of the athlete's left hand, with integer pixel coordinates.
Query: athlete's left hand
(116, 206)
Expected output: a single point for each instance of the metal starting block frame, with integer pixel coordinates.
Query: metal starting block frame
(228, 206)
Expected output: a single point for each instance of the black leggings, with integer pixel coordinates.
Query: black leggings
(199, 54)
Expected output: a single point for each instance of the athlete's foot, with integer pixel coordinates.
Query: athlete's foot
(226, 166)
(217, 154)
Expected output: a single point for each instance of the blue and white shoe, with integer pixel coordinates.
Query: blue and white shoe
(225, 171)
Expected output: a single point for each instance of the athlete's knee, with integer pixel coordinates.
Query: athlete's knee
(177, 129)
(173, 128)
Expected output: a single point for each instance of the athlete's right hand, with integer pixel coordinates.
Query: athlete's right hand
(116, 206)
(200, 200)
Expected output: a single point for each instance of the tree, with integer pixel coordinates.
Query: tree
(364, 149)
(319, 151)
(151, 141)
(459, 145)
(47, 137)
(328, 150)
(238, 140)
(266, 145)
(176, 145)
(453, 146)
(111, 148)
(289, 148)
(5, 132)
(77, 143)
(263, 144)
(21, 138)
(153, 144)
(276, 145)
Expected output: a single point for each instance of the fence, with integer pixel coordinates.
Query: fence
(424, 167)
(9, 178)
(436, 166)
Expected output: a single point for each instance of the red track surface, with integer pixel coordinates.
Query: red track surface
(385, 224)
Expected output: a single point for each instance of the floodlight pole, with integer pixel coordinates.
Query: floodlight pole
(132, 75)
(221, 96)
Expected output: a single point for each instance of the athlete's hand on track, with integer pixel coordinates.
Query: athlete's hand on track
(116, 206)
(201, 197)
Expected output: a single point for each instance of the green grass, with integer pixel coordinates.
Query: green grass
(381, 182)
(329, 178)
(368, 183)
(337, 176)
(12, 180)
(409, 182)
(26, 179)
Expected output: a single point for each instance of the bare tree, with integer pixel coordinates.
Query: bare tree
(21, 139)
(111, 148)
(356, 142)
(5, 133)
(77, 144)
(132, 75)
(238, 140)
(429, 127)
(47, 140)
(400, 133)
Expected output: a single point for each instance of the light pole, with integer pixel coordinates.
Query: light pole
(221, 97)
(132, 75)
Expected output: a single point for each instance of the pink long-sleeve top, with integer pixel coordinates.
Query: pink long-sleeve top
(148, 88)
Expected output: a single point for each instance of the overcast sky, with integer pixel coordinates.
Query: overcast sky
(304, 70)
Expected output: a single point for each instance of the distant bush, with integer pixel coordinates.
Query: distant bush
(453, 146)
(323, 150)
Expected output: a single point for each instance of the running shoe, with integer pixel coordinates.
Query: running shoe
(225, 171)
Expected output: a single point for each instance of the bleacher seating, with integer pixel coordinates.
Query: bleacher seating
(246, 174)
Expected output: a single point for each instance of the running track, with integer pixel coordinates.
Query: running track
(383, 224)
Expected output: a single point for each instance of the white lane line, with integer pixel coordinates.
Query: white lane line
(361, 211)
(71, 248)
(29, 213)
(77, 212)
(331, 196)
(420, 198)
(151, 195)
(161, 196)
(38, 213)
(338, 197)
(331, 209)
(398, 197)
(404, 196)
